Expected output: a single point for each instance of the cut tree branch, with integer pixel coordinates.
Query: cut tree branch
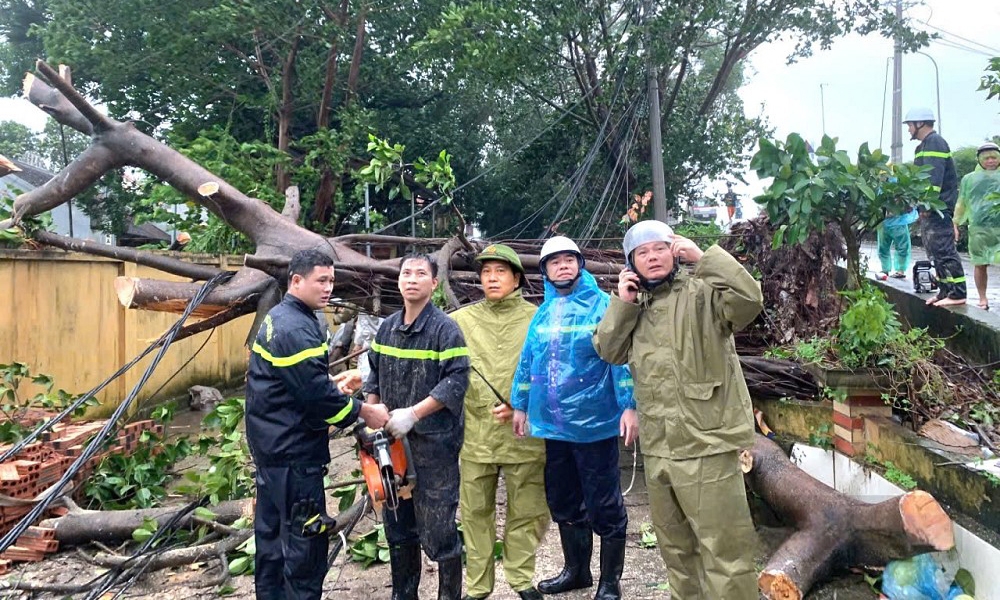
(167, 264)
(172, 296)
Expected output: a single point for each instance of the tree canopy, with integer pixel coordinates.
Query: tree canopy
(541, 104)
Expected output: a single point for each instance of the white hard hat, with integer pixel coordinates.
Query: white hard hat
(644, 232)
(987, 147)
(919, 113)
(557, 245)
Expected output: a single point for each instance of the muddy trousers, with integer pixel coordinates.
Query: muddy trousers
(288, 565)
(938, 236)
(427, 520)
(527, 521)
(703, 526)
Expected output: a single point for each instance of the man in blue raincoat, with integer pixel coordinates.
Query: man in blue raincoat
(579, 404)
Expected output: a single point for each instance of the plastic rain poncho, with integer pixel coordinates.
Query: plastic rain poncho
(568, 391)
(981, 211)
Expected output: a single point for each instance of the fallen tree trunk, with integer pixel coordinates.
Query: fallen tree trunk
(834, 531)
(115, 526)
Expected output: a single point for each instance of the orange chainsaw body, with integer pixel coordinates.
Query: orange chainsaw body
(386, 480)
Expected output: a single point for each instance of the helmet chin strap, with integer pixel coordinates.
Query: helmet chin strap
(562, 285)
(651, 284)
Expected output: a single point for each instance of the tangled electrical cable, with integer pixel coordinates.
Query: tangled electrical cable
(129, 571)
(95, 444)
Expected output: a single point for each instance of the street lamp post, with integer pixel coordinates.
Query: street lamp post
(822, 107)
(937, 86)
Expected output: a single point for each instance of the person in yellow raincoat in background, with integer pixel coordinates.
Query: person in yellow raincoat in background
(979, 206)
(494, 331)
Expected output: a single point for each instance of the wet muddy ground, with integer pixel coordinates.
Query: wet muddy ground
(644, 575)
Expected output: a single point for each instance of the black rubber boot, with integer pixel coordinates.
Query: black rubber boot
(530, 594)
(404, 563)
(577, 545)
(612, 563)
(450, 579)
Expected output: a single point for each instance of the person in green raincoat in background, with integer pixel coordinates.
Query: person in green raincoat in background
(494, 331)
(979, 206)
(694, 408)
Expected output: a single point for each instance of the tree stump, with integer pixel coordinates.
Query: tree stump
(834, 531)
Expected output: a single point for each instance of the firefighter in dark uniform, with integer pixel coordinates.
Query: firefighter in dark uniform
(937, 230)
(420, 371)
(290, 406)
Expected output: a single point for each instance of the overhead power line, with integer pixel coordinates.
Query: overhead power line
(994, 51)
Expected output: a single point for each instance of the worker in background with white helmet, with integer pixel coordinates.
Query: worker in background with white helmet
(564, 393)
(977, 208)
(675, 331)
(937, 232)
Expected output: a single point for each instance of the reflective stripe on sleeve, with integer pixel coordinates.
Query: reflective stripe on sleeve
(288, 361)
(343, 414)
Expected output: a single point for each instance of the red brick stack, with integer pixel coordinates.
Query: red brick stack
(39, 465)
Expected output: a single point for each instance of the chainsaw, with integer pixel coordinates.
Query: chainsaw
(386, 465)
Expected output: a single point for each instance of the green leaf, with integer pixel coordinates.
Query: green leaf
(239, 565)
(204, 513)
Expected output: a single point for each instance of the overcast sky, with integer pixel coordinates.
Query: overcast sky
(853, 75)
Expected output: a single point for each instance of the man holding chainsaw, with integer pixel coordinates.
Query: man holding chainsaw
(420, 371)
(494, 330)
(290, 406)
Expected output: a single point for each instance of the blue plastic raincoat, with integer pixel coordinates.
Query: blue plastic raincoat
(568, 391)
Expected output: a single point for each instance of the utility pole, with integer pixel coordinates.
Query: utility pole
(655, 133)
(897, 95)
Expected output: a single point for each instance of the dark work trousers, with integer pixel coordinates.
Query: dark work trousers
(428, 518)
(938, 236)
(287, 564)
(583, 486)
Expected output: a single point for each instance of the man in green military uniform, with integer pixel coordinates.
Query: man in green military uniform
(494, 331)
(694, 408)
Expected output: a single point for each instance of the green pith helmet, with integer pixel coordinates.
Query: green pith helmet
(502, 253)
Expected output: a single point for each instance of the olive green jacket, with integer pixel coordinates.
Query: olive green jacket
(494, 333)
(678, 340)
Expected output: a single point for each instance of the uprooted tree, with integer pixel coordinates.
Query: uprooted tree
(363, 280)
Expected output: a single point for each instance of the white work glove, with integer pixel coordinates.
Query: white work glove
(401, 421)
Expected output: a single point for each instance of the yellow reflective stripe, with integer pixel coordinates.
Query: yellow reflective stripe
(936, 188)
(953, 279)
(523, 387)
(567, 329)
(626, 383)
(344, 412)
(288, 361)
(932, 154)
(453, 353)
(412, 354)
